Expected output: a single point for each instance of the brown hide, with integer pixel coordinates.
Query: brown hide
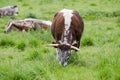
(76, 28)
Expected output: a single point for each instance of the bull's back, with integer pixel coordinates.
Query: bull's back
(77, 23)
(57, 27)
(76, 26)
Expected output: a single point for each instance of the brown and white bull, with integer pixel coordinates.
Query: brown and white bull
(9, 11)
(20, 25)
(27, 24)
(67, 28)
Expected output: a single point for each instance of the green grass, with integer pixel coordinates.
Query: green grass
(26, 56)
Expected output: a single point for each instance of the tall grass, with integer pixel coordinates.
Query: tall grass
(26, 56)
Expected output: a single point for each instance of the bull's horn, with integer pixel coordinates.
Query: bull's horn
(73, 47)
(54, 45)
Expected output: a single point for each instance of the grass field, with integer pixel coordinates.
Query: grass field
(25, 55)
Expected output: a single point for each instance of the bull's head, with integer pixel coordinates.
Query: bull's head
(63, 52)
(15, 10)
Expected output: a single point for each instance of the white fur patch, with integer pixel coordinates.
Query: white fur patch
(15, 12)
(65, 64)
(74, 42)
(67, 16)
(66, 10)
(40, 21)
(47, 22)
(68, 19)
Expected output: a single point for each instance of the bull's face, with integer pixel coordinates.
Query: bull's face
(15, 8)
(63, 54)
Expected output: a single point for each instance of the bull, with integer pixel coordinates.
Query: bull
(67, 29)
(27, 24)
(9, 11)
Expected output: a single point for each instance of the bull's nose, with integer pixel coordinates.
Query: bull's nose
(64, 63)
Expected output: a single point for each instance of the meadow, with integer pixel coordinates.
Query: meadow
(26, 56)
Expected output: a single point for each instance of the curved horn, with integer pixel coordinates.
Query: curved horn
(54, 45)
(73, 47)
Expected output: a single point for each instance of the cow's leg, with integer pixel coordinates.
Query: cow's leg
(34, 26)
(8, 27)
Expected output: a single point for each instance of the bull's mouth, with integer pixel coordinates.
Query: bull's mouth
(63, 63)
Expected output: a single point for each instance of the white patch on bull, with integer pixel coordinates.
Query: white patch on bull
(66, 10)
(74, 42)
(65, 64)
(39, 21)
(47, 22)
(68, 18)
(16, 11)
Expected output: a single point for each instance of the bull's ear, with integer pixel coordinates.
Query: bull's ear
(14, 6)
(75, 43)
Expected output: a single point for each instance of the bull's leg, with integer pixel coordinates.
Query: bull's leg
(9, 25)
(78, 41)
(34, 28)
(35, 25)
